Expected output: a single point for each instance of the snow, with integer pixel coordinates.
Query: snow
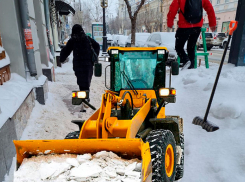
(51, 56)
(12, 95)
(14, 92)
(217, 156)
(214, 157)
(50, 65)
(37, 82)
(102, 166)
(6, 60)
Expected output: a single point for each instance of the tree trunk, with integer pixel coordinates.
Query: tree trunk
(133, 28)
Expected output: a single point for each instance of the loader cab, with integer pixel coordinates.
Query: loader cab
(138, 68)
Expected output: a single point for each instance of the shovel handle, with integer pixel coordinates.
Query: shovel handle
(232, 26)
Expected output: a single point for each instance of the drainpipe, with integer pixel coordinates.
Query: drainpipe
(26, 25)
(47, 15)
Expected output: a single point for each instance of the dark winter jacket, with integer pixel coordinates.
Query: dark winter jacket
(180, 4)
(80, 45)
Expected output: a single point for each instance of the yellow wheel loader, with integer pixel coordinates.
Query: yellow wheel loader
(131, 120)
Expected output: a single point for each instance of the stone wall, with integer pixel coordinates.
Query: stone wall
(12, 130)
(22, 115)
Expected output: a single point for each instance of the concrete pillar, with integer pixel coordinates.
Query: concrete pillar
(47, 67)
(40, 22)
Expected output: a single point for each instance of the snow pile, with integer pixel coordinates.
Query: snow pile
(101, 167)
(217, 156)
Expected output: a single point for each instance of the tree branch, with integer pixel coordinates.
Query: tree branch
(138, 8)
(129, 9)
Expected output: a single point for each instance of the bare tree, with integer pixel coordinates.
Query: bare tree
(145, 17)
(78, 17)
(114, 25)
(133, 18)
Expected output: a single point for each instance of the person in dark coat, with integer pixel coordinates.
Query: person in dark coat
(82, 55)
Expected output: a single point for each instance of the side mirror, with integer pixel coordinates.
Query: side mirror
(175, 68)
(158, 42)
(97, 69)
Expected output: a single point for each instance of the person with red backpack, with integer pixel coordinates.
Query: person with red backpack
(189, 26)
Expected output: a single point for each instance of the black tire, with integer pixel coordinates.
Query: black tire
(224, 45)
(159, 141)
(73, 135)
(180, 167)
(209, 48)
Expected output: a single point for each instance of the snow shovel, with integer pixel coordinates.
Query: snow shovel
(206, 125)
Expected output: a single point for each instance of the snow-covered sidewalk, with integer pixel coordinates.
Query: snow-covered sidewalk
(209, 157)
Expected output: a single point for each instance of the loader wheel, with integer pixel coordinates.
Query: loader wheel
(73, 135)
(163, 155)
(180, 167)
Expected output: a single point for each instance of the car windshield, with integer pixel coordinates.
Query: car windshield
(221, 35)
(208, 35)
(139, 68)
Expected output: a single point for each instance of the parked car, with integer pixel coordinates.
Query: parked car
(140, 39)
(163, 39)
(209, 41)
(114, 36)
(218, 38)
(122, 41)
(225, 41)
(109, 39)
(116, 40)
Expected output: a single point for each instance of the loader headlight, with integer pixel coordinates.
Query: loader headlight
(80, 94)
(163, 92)
(161, 51)
(168, 94)
(114, 51)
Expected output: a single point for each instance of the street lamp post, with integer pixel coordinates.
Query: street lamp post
(104, 4)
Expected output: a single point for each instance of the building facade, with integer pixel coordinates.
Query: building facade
(225, 11)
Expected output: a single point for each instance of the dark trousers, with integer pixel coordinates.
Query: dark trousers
(84, 76)
(190, 35)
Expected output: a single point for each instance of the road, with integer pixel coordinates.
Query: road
(215, 55)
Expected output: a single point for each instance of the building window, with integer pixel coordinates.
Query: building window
(227, 1)
(218, 1)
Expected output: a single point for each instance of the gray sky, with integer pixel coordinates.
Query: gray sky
(112, 5)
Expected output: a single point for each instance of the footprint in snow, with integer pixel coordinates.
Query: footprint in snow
(209, 86)
(226, 110)
(188, 80)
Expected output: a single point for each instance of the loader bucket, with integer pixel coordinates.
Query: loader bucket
(126, 148)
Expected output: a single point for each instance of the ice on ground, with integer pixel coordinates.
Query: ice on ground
(66, 167)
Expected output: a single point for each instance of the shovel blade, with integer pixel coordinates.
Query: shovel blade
(206, 125)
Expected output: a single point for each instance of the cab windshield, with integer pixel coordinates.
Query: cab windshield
(137, 69)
